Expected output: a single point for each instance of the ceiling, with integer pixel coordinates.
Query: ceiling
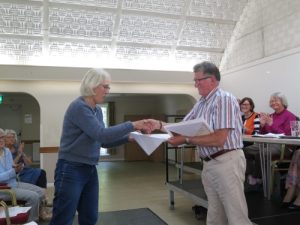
(134, 34)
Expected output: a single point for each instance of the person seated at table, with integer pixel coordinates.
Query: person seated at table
(291, 199)
(251, 122)
(31, 194)
(29, 174)
(277, 122)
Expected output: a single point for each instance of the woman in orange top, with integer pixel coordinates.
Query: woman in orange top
(250, 118)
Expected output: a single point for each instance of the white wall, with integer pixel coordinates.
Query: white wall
(54, 97)
(262, 78)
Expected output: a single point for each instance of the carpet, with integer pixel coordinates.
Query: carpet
(141, 216)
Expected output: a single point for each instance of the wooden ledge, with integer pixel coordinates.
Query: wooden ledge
(49, 149)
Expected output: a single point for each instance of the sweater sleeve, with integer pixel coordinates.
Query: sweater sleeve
(91, 123)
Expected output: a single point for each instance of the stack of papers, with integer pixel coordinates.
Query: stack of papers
(190, 128)
(149, 142)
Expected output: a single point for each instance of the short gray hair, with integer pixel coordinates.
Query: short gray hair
(282, 98)
(8, 131)
(92, 79)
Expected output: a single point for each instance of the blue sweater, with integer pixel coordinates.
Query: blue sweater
(7, 172)
(84, 133)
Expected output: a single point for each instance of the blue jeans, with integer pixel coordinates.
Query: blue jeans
(76, 188)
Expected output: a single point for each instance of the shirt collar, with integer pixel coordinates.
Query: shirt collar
(210, 94)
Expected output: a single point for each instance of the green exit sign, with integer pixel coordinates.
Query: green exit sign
(1, 99)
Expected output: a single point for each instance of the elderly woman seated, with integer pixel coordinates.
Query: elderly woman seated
(277, 122)
(31, 194)
(28, 174)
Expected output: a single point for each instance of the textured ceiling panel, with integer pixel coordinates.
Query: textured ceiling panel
(175, 7)
(146, 29)
(178, 33)
(64, 22)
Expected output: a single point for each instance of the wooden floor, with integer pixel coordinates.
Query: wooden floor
(130, 185)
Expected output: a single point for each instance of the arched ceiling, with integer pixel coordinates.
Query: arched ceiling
(132, 34)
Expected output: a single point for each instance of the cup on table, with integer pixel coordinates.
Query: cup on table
(295, 128)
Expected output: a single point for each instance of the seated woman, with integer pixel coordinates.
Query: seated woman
(292, 184)
(31, 194)
(251, 122)
(278, 123)
(30, 175)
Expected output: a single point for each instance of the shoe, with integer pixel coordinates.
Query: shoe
(44, 214)
(252, 188)
(293, 207)
(285, 205)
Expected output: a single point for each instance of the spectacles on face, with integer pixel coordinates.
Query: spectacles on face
(105, 86)
(245, 104)
(201, 79)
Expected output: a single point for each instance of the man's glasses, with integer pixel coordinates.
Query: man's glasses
(199, 80)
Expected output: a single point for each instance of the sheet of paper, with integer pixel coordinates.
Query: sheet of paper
(13, 211)
(149, 142)
(31, 223)
(270, 135)
(190, 128)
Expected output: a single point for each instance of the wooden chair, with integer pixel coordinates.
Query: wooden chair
(282, 163)
(19, 219)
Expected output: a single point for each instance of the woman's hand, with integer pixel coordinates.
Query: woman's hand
(266, 118)
(147, 125)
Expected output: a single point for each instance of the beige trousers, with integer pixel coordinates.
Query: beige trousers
(223, 180)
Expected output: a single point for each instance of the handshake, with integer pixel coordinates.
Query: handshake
(148, 125)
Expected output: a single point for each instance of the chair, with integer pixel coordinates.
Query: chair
(19, 219)
(282, 163)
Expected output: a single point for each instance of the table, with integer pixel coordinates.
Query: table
(266, 157)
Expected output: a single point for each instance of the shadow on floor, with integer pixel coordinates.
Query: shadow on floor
(268, 212)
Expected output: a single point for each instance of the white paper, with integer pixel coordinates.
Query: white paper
(270, 135)
(13, 211)
(31, 223)
(190, 128)
(149, 142)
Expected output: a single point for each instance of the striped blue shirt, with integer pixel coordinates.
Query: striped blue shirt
(221, 111)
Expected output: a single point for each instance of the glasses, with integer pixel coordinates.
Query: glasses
(105, 86)
(200, 79)
(245, 104)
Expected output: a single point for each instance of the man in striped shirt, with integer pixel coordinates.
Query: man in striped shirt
(224, 166)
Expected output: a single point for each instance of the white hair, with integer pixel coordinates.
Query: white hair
(8, 131)
(282, 98)
(92, 79)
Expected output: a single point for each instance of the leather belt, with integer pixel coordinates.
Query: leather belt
(215, 155)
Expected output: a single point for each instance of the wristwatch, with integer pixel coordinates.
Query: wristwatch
(187, 140)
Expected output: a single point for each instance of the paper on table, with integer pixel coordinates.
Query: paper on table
(270, 135)
(149, 142)
(13, 211)
(190, 128)
(31, 223)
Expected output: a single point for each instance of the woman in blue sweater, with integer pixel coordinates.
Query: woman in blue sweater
(76, 179)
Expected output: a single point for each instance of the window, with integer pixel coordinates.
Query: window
(105, 110)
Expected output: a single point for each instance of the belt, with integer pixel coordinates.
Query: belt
(215, 155)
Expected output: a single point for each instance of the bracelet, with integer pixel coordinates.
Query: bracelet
(160, 125)
(187, 140)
